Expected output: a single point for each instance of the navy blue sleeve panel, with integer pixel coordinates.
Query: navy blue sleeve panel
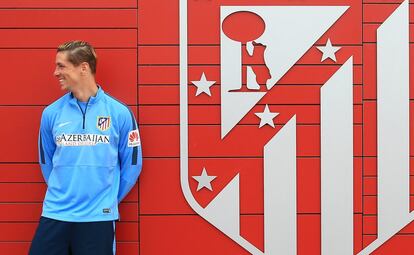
(47, 146)
(130, 155)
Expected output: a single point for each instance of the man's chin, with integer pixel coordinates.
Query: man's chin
(64, 87)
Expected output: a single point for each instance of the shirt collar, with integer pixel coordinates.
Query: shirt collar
(99, 94)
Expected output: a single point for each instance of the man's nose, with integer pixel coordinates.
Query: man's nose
(56, 72)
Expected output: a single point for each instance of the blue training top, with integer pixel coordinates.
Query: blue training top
(90, 157)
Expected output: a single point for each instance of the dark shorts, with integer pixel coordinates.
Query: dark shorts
(55, 237)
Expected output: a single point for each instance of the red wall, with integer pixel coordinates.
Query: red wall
(138, 48)
(30, 31)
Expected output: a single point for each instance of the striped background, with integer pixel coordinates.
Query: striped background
(138, 47)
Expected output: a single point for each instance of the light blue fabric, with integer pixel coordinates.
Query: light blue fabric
(83, 105)
(90, 159)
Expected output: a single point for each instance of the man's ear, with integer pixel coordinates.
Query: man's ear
(85, 68)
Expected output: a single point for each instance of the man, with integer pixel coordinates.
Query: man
(90, 156)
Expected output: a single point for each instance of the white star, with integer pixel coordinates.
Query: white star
(204, 180)
(203, 85)
(266, 117)
(328, 51)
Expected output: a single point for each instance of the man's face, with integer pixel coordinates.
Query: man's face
(67, 74)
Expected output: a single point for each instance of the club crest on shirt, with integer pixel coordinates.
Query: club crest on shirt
(103, 123)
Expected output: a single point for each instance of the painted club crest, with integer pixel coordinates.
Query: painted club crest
(250, 159)
(103, 123)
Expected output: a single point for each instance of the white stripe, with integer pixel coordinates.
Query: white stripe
(337, 163)
(393, 122)
(280, 192)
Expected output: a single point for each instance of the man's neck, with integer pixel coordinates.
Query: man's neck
(85, 91)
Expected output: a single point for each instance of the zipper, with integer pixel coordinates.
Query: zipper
(83, 112)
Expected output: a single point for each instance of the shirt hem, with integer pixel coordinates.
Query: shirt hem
(80, 219)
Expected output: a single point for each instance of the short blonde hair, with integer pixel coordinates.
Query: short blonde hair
(79, 52)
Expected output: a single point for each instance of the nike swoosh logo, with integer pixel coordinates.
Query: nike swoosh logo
(64, 124)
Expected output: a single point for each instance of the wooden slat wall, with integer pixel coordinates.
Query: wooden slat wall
(165, 217)
(30, 31)
(138, 47)
(375, 12)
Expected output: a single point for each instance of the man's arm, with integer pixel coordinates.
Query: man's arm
(130, 156)
(47, 147)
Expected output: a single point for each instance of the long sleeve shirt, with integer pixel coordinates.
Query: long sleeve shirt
(90, 156)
